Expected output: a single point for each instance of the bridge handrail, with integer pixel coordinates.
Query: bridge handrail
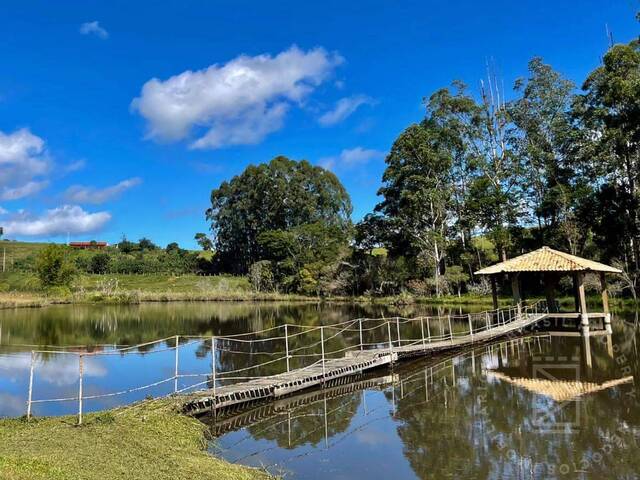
(489, 319)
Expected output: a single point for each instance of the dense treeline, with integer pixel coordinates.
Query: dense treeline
(479, 179)
(125, 257)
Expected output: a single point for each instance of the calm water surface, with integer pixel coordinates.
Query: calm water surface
(547, 405)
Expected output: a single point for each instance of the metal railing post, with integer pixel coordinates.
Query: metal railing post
(361, 343)
(450, 329)
(322, 346)
(470, 326)
(80, 378)
(175, 377)
(286, 344)
(422, 330)
(33, 363)
(390, 341)
(213, 370)
(428, 330)
(398, 330)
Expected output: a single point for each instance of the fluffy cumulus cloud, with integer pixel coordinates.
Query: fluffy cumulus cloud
(343, 109)
(23, 163)
(237, 103)
(67, 219)
(84, 194)
(94, 28)
(352, 157)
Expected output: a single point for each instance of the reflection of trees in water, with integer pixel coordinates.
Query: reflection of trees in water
(487, 430)
(306, 425)
(133, 324)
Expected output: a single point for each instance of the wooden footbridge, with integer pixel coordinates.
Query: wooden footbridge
(365, 344)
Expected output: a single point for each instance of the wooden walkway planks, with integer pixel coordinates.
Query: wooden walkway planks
(353, 363)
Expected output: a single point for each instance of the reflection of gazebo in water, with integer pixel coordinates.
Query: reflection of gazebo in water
(552, 264)
(560, 390)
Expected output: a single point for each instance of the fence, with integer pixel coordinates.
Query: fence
(247, 356)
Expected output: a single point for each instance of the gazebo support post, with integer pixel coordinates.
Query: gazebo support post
(549, 291)
(605, 303)
(584, 318)
(515, 288)
(576, 294)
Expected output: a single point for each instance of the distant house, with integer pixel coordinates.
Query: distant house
(86, 245)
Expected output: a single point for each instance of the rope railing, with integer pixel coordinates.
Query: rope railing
(305, 347)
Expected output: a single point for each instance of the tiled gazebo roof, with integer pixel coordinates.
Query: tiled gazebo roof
(546, 259)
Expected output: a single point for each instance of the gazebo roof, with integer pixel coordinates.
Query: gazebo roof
(546, 259)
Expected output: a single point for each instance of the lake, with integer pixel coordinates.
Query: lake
(547, 405)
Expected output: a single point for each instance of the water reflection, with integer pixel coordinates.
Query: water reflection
(101, 329)
(475, 415)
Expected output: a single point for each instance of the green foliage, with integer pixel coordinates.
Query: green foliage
(53, 266)
(277, 196)
(204, 241)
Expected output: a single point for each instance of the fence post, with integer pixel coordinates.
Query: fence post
(422, 330)
(33, 362)
(286, 344)
(398, 330)
(80, 378)
(450, 329)
(213, 368)
(175, 381)
(486, 320)
(470, 325)
(322, 346)
(390, 341)
(428, 330)
(361, 345)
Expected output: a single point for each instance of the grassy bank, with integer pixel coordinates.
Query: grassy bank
(22, 290)
(145, 441)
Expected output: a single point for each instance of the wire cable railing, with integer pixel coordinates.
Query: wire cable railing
(244, 357)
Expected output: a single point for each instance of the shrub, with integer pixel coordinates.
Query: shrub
(53, 267)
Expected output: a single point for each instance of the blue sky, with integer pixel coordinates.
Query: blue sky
(120, 117)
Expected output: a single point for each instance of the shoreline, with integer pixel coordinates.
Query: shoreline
(33, 299)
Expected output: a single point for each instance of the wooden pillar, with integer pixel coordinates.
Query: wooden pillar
(549, 280)
(515, 289)
(576, 296)
(584, 319)
(494, 292)
(605, 303)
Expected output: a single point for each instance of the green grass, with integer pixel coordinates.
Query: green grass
(145, 441)
(164, 283)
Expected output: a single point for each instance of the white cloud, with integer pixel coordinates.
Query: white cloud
(22, 191)
(84, 194)
(58, 221)
(239, 102)
(94, 28)
(343, 108)
(3, 211)
(59, 370)
(349, 158)
(23, 160)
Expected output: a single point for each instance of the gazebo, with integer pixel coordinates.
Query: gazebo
(552, 264)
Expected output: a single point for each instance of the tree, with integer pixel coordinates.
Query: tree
(279, 195)
(417, 193)
(125, 246)
(456, 275)
(54, 267)
(146, 244)
(100, 263)
(608, 146)
(542, 130)
(204, 241)
(172, 247)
